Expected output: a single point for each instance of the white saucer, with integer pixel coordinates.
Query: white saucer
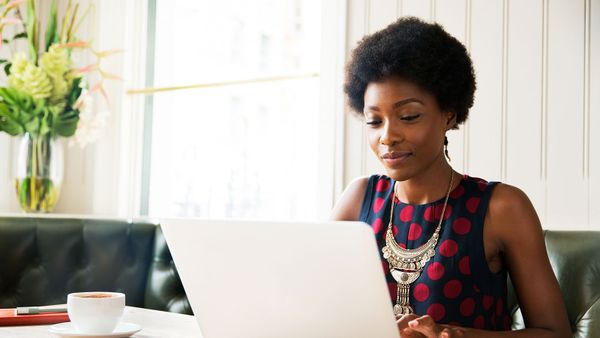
(68, 330)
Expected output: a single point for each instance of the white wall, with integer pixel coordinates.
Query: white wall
(535, 119)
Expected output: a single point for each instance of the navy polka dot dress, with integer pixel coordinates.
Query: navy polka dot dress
(456, 286)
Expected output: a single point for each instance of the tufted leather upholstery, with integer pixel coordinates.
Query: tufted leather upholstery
(575, 259)
(44, 259)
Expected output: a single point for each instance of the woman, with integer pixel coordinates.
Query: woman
(451, 239)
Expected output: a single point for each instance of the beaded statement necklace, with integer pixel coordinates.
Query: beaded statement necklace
(406, 265)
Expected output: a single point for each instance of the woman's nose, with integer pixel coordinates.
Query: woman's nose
(390, 135)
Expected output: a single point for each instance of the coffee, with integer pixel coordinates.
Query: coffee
(96, 312)
(95, 295)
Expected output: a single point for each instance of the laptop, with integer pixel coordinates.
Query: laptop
(282, 279)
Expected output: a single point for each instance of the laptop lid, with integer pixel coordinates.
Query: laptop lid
(282, 279)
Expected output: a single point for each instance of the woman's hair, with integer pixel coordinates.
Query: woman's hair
(419, 52)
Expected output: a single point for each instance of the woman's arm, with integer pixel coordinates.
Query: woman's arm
(512, 222)
(348, 206)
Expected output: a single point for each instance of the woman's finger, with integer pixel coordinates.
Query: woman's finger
(426, 326)
(404, 319)
(452, 332)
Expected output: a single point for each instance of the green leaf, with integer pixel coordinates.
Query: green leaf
(66, 125)
(46, 123)
(74, 93)
(52, 29)
(8, 123)
(33, 127)
(3, 61)
(32, 30)
(7, 68)
(22, 35)
(9, 95)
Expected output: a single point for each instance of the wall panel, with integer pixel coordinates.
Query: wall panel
(567, 201)
(423, 9)
(524, 100)
(453, 16)
(485, 118)
(536, 117)
(593, 98)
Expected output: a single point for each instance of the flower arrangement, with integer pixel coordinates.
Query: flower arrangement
(46, 96)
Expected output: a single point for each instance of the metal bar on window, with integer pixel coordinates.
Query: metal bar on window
(223, 83)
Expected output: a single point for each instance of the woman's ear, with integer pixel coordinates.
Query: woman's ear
(450, 120)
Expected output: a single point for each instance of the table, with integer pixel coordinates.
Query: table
(155, 324)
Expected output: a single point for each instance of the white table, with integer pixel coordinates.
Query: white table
(155, 324)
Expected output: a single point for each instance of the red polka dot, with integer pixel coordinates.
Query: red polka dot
(414, 232)
(467, 307)
(457, 192)
(421, 292)
(395, 230)
(382, 185)
(461, 226)
(452, 289)
(493, 320)
(479, 322)
(432, 213)
(447, 213)
(476, 288)
(436, 311)
(464, 265)
(487, 302)
(499, 307)
(435, 271)
(472, 204)
(448, 248)
(482, 185)
(378, 204)
(377, 225)
(406, 213)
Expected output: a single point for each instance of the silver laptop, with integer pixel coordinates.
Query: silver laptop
(282, 279)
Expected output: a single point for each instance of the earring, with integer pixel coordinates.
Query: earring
(446, 148)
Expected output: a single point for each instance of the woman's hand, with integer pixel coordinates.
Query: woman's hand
(412, 326)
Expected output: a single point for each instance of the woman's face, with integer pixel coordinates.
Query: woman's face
(405, 127)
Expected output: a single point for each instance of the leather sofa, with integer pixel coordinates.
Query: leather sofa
(42, 259)
(575, 259)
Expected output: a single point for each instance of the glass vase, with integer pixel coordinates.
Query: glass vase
(39, 167)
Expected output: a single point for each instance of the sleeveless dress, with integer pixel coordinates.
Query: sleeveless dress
(456, 286)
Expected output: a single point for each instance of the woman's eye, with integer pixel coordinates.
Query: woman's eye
(373, 122)
(410, 117)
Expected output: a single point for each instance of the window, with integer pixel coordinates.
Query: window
(244, 142)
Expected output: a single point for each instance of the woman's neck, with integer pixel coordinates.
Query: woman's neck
(428, 186)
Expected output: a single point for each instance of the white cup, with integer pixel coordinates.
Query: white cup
(95, 312)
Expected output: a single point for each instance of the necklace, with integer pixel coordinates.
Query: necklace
(406, 265)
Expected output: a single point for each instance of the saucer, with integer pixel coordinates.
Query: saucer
(68, 330)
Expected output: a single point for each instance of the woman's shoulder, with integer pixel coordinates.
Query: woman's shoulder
(349, 204)
(511, 216)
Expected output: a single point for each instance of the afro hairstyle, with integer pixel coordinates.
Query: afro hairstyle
(415, 51)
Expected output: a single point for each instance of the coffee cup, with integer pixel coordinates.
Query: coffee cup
(95, 312)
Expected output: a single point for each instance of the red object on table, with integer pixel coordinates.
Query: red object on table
(9, 317)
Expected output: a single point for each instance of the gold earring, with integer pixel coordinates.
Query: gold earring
(446, 148)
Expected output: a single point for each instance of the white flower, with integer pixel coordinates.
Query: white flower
(89, 125)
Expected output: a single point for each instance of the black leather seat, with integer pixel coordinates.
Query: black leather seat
(575, 259)
(44, 259)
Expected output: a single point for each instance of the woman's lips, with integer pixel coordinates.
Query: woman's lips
(396, 157)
